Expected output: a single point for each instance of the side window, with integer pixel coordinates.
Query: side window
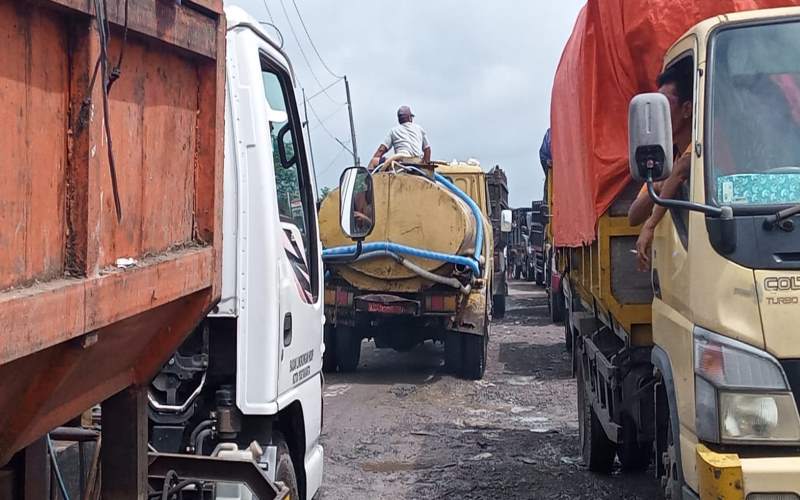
(680, 217)
(292, 179)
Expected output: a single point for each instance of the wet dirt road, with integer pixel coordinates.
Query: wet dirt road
(401, 428)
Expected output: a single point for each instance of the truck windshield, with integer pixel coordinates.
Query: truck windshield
(753, 131)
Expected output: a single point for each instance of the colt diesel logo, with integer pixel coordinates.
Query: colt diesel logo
(783, 284)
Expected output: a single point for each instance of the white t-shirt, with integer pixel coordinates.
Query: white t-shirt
(407, 139)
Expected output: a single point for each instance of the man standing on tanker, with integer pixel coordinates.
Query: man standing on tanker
(677, 84)
(407, 139)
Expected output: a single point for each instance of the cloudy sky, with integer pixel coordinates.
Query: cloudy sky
(476, 73)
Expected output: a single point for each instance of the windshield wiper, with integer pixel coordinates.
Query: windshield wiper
(779, 217)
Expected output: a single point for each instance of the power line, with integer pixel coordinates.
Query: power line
(326, 88)
(332, 136)
(313, 45)
(333, 162)
(269, 13)
(303, 53)
(327, 118)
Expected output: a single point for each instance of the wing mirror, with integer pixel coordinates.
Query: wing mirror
(650, 137)
(506, 221)
(356, 203)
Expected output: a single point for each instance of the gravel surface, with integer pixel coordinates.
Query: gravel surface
(401, 428)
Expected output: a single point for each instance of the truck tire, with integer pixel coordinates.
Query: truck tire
(284, 467)
(666, 458)
(475, 350)
(348, 348)
(557, 306)
(633, 456)
(596, 449)
(498, 306)
(453, 352)
(329, 361)
(567, 332)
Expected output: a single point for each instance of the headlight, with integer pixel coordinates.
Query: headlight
(741, 393)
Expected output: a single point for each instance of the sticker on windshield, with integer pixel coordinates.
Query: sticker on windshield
(759, 189)
(727, 192)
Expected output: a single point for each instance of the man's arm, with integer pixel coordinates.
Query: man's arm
(668, 190)
(641, 208)
(426, 147)
(376, 157)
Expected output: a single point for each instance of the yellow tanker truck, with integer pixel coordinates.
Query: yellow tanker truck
(423, 272)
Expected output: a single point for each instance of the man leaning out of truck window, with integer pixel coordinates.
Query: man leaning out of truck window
(407, 139)
(676, 83)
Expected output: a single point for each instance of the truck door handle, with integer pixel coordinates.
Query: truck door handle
(287, 329)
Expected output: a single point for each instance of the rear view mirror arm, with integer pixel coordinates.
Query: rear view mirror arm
(345, 259)
(681, 204)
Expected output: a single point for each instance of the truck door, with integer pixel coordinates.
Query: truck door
(299, 263)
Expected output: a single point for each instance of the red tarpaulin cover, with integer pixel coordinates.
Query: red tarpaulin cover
(615, 52)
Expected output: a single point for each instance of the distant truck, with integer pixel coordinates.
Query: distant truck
(497, 185)
(537, 222)
(518, 249)
(693, 365)
(424, 273)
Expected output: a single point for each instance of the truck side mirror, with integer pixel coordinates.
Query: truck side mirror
(650, 137)
(506, 221)
(356, 203)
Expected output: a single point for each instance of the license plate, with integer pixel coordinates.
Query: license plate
(376, 307)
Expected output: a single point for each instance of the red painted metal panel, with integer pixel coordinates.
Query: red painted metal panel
(76, 329)
(33, 144)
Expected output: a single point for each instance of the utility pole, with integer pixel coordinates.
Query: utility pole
(356, 159)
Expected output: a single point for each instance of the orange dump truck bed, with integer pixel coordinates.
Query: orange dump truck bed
(77, 326)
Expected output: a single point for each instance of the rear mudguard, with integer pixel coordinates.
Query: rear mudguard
(473, 314)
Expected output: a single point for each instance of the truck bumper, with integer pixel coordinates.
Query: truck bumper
(726, 475)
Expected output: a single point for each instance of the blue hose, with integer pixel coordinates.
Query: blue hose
(385, 246)
(472, 263)
(476, 212)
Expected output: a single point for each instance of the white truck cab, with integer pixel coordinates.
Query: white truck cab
(251, 371)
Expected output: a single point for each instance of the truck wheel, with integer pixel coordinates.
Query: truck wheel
(557, 306)
(670, 487)
(329, 358)
(596, 449)
(453, 352)
(666, 456)
(284, 469)
(348, 348)
(498, 306)
(567, 333)
(474, 359)
(633, 456)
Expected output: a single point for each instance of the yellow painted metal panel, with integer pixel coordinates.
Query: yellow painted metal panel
(771, 475)
(719, 475)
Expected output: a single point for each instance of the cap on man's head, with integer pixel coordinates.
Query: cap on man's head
(404, 111)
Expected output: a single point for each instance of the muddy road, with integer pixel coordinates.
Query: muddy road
(401, 428)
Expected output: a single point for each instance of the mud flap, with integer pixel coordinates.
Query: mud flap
(473, 314)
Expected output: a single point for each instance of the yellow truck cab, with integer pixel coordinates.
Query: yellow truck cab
(708, 376)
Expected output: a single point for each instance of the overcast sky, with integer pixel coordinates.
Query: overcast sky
(476, 73)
